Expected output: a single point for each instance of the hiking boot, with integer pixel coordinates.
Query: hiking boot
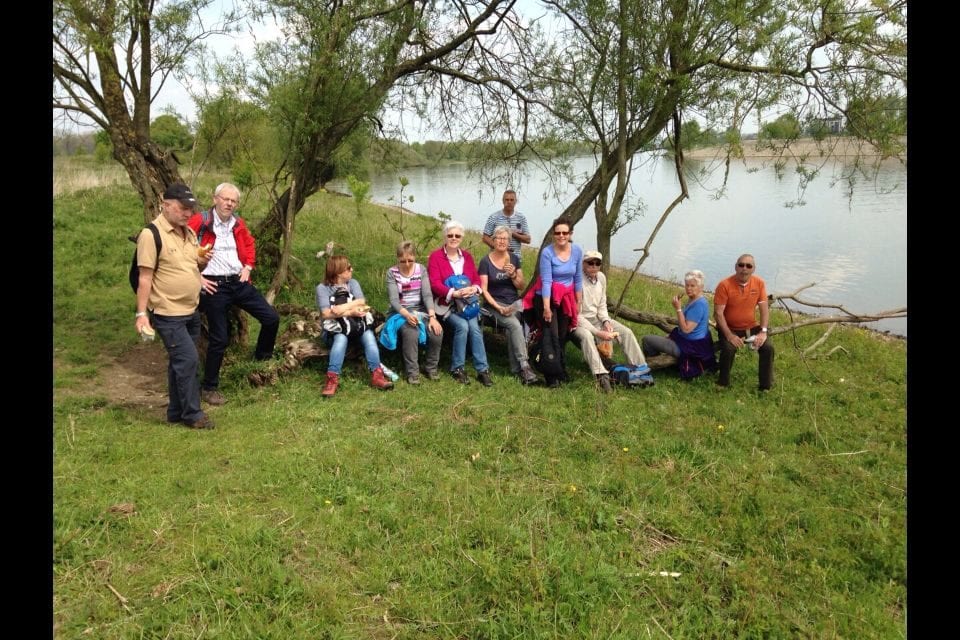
(413, 378)
(604, 380)
(484, 378)
(527, 376)
(460, 376)
(432, 374)
(203, 422)
(213, 397)
(333, 381)
(379, 381)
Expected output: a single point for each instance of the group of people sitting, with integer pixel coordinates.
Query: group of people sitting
(190, 262)
(567, 302)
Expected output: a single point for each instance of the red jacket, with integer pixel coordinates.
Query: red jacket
(245, 244)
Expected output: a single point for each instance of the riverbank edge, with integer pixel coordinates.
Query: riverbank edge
(803, 148)
(626, 271)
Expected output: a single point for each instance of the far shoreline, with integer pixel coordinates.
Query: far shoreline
(802, 149)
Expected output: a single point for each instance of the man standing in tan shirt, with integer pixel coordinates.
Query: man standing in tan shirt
(170, 289)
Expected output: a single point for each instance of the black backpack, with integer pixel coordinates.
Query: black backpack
(134, 268)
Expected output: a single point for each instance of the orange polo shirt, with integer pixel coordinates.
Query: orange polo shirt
(740, 301)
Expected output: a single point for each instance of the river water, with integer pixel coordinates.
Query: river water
(850, 241)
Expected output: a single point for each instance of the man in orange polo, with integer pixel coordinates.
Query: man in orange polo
(734, 308)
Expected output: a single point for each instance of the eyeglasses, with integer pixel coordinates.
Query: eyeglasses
(592, 263)
(411, 260)
(502, 239)
(561, 233)
(228, 200)
(745, 265)
(454, 235)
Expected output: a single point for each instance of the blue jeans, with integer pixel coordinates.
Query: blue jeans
(216, 306)
(179, 335)
(338, 350)
(462, 330)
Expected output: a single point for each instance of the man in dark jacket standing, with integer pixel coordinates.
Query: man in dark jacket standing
(226, 281)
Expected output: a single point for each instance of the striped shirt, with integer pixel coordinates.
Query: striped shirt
(516, 221)
(409, 286)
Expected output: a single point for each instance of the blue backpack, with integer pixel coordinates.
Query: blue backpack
(632, 376)
(466, 308)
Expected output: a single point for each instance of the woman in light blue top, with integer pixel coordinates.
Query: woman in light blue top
(690, 342)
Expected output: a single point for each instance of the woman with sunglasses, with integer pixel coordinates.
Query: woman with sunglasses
(450, 260)
(408, 288)
(342, 304)
(558, 295)
(690, 342)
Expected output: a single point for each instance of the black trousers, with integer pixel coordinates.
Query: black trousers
(728, 352)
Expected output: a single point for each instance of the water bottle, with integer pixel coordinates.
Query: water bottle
(389, 373)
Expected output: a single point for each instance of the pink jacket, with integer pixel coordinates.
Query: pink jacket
(439, 269)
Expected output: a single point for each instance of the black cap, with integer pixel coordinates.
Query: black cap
(179, 191)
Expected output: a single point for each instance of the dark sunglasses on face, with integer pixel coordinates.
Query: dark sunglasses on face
(745, 265)
(454, 235)
(592, 263)
(561, 233)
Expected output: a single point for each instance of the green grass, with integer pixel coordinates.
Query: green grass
(464, 512)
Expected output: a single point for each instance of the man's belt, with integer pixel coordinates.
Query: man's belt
(233, 278)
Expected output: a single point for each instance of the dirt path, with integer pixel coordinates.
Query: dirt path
(137, 379)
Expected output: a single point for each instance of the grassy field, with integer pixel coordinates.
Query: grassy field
(679, 511)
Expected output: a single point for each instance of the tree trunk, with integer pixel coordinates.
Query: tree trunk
(150, 170)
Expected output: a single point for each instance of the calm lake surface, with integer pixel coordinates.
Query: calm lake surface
(853, 247)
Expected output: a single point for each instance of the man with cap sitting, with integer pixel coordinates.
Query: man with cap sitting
(169, 288)
(226, 282)
(593, 322)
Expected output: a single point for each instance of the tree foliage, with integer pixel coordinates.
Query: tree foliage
(170, 133)
(786, 127)
(624, 73)
(329, 74)
(110, 58)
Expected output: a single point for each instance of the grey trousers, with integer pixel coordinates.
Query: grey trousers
(410, 348)
(516, 340)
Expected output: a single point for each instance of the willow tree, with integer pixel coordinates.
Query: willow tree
(624, 74)
(328, 74)
(110, 60)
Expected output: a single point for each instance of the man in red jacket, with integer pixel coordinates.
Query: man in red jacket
(225, 282)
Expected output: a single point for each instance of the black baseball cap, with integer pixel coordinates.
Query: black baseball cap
(179, 191)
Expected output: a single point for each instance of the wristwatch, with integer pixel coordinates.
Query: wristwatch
(763, 329)
(140, 314)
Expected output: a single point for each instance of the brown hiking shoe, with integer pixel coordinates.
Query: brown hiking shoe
(330, 388)
(203, 422)
(378, 380)
(213, 397)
